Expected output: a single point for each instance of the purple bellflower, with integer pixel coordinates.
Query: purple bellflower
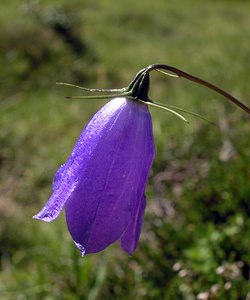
(102, 184)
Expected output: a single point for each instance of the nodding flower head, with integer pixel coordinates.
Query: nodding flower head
(102, 184)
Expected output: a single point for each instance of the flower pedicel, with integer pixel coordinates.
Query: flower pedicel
(102, 184)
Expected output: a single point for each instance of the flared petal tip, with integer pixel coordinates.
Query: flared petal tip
(44, 217)
(129, 250)
(81, 248)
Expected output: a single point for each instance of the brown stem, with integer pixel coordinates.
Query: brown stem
(199, 81)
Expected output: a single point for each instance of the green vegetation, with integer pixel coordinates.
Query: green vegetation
(196, 235)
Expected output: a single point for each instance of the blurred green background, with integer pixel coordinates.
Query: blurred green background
(196, 235)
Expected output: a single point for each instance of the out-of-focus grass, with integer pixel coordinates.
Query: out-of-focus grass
(195, 239)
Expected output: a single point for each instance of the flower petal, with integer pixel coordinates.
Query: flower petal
(130, 237)
(67, 177)
(113, 178)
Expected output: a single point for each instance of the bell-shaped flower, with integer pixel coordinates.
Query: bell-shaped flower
(102, 184)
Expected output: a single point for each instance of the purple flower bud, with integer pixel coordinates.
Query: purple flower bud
(102, 184)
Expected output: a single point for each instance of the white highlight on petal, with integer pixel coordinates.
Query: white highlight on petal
(81, 248)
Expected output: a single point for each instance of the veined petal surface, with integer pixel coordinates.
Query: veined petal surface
(103, 182)
(68, 175)
(130, 237)
(101, 206)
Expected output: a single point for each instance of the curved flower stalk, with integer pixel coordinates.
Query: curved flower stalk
(102, 184)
